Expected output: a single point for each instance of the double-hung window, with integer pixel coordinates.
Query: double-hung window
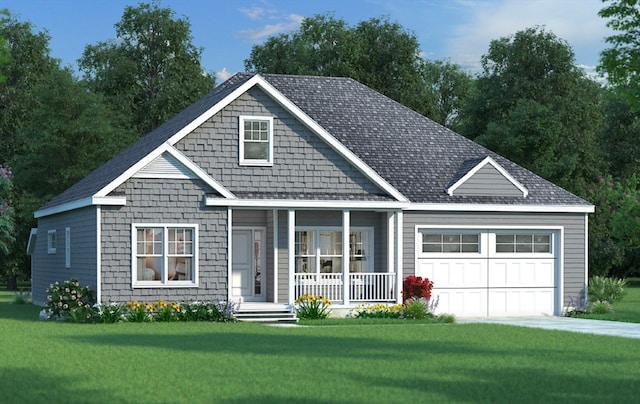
(165, 255)
(320, 250)
(256, 140)
(52, 242)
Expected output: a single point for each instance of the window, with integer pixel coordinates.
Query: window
(256, 140)
(523, 243)
(164, 255)
(320, 250)
(52, 243)
(67, 247)
(450, 242)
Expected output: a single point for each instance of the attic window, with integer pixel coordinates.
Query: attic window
(256, 140)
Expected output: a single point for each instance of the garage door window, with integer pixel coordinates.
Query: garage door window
(523, 243)
(450, 243)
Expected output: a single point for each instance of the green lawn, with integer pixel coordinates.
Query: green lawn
(52, 362)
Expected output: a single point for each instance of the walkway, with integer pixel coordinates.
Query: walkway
(600, 327)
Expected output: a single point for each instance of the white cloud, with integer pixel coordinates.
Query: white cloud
(223, 74)
(575, 21)
(286, 23)
(254, 13)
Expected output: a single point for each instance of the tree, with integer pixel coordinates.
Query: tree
(621, 62)
(619, 138)
(535, 107)
(447, 87)
(378, 53)
(6, 212)
(152, 71)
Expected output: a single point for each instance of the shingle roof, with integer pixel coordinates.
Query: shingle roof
(414, 154)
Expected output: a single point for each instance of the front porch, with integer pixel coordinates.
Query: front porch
(347, 256)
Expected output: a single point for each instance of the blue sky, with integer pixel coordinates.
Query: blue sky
(457, 30)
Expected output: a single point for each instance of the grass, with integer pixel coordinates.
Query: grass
(346, 363)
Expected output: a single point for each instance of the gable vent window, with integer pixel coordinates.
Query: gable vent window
(256, 140)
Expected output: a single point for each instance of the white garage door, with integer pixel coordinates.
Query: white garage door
(490, 272)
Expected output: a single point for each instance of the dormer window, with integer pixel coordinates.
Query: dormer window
(256, 141)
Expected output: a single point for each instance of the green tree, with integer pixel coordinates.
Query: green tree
(621, 62)
(151, 71)
(6, 212)
(619, 139)
(447, 87)
(535, 107)
(378, 53)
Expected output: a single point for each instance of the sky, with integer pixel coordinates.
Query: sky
(459, 31)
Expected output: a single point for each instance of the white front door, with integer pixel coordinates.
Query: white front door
(248, 261)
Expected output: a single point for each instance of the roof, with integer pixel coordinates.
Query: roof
(415, 155)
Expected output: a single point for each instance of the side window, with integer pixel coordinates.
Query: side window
(52, 242)
(256, 140)
(67, 247)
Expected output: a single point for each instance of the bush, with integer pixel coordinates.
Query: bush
(69, 301)
(378, 310)
(416, 286)
(309, 307)
(604, 289)
(416, 308)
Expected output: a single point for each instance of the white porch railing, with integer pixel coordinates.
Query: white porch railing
(363, 287)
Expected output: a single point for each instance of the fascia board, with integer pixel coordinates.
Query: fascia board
(465, 207)
(81, 203)
(304, 204)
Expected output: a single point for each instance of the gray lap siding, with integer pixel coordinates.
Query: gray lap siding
(52, 267)
(573, 256)
(170, 202)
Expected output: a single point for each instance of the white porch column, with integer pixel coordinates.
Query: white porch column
(391, 242)
(229, 252)
(399, 243)
(346, 218)
(291, 245)
(275, 255)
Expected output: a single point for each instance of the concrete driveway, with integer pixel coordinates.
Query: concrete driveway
(600, 327)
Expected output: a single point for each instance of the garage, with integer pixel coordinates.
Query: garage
(494, 272)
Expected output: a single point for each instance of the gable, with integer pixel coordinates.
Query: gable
(485, 177)
(304, 166)
(165, 166)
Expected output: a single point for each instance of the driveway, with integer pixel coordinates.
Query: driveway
(600, 327)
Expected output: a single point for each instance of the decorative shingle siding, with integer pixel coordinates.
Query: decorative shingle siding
(169, 202)
(573, 255)
(51, 267)
(303, 164)
(488, 181)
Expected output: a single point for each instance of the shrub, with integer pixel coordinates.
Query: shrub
(109, 313)
(378, 310)
(416, 308)
(309, 307)
(604, 289)
(22, 296)
(599, 307)
(139, 312)
(416, 286)
(69, 301)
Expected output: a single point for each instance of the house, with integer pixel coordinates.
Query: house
(272, 186)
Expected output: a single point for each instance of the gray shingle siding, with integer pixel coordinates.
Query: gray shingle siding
(51, 267)
(303, 164)
(573, 255)
(169, 202)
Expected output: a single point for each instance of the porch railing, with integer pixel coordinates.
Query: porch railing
(363, 287)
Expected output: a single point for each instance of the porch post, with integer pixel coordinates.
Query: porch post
(399, 243)
(275, 255)
(391, 242)
(346, 216)
(291, 245)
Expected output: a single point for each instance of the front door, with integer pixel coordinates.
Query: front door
(248, 260)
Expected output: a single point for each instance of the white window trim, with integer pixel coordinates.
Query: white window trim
(250, 162)
(482, 243)
(67, 247)
(52, 242)
(164, 283)
(370, 258)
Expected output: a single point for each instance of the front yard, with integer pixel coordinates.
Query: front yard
(243, 362)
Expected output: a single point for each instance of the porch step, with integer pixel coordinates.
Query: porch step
(267, 313)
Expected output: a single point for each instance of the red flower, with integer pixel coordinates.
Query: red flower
(416, 286)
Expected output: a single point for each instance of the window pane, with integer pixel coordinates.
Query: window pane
(504, 248)
(524, 248)
(451, 238)
(542, 248)
(255, 150)
(431, 238)
(305, 265)
(470, 248)
(451, 248)
(504, 238)
(331, 265)
(524, 238)
(330, 243)
(432, 248)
